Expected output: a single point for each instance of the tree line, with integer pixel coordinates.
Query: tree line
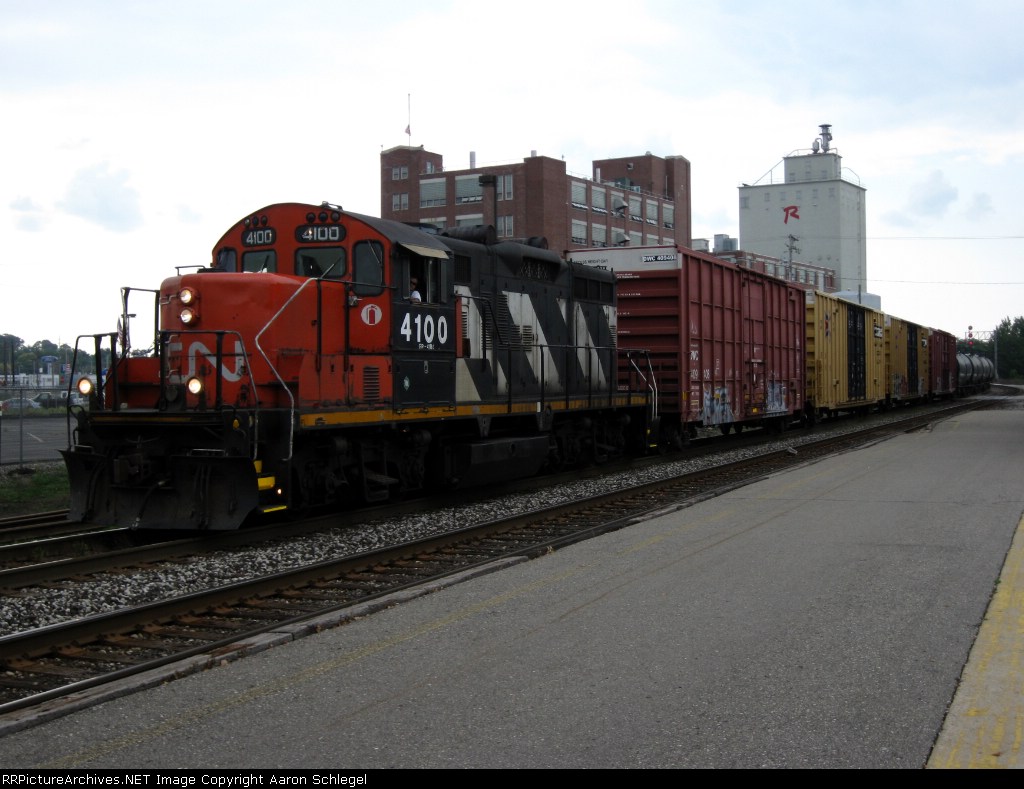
(43, 357)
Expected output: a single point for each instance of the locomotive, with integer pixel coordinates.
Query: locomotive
(293, 372)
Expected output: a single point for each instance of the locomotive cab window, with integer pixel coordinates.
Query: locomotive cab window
(430, 272)
(368, 268)
(264, 260)
(428, 276)
(227, 259)
(329, 263)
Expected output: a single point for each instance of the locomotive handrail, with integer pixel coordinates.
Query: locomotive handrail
(124, 328)
(652, 382)
(273, 369)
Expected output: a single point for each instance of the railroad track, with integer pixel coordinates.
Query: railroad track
(52, 670)
(22, 528)
(45, 548)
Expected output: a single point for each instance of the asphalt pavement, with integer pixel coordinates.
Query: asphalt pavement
(862, 611)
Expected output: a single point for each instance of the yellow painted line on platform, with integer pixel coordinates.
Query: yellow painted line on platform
(984, 727)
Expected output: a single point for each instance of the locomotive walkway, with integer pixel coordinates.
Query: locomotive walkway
(859, 612)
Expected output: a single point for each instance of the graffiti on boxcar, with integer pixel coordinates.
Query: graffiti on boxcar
(716, 408)
(775, 399)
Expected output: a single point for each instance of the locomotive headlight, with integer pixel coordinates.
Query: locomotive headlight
(188, 316)
(194, 385)
(187, 295)
(84, 387)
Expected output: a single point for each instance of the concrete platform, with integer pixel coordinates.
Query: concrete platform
(830, 616)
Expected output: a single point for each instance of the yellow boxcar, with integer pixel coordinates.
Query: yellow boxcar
(845, 355)
(907, 362)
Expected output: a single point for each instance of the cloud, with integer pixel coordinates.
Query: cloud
(104, 198)
(23, 203)
(29, 223)
(928, 199)
(980, 206)
(28, 215)
(188, 215)
(933, 197)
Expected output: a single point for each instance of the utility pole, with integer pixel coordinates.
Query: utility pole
(791, 247)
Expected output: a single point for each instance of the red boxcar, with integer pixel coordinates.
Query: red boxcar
(725, 342)
(942, 350)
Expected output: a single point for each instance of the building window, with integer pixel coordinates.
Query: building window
(432, 193)
(399, 173)
(635, 238)
(504, 187)
(668, 216)
(505, 226)
(599, 234)
(468, 189)
(400, 202)
(768, 197)
(652, 212)
(744, 202)
(469, 220)
(579, 195)
(579, 232)
(597, 200)
(634, 210)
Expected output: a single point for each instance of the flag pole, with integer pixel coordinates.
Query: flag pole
(408, 126)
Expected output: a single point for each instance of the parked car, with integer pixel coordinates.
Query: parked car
(18, 404)
(47, 400)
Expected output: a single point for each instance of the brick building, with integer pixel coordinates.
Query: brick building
(635, 200)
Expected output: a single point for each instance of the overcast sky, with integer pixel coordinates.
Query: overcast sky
(135, 133)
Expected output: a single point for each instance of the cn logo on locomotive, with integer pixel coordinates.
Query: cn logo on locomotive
(371, 314)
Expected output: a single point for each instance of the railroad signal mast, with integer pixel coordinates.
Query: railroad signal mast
(984, 336)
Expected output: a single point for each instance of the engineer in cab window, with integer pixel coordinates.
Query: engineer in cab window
(414, 292)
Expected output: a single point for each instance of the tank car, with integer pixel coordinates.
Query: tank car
(975, 374)
(725, 342)
(294, 372)
(845, 356)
